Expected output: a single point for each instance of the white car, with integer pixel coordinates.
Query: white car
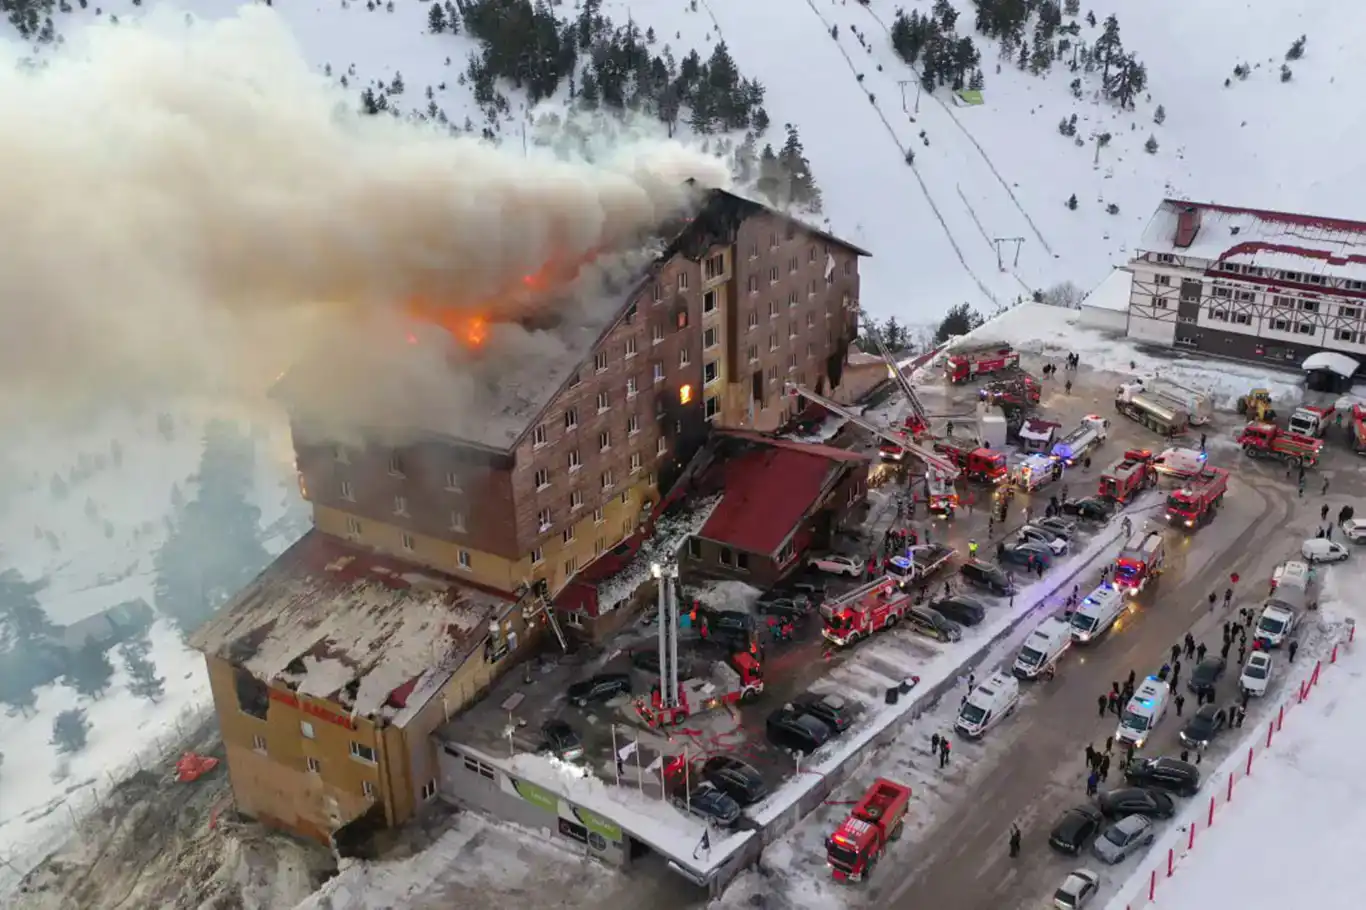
(1256, 673)
(1035, 534)
(1321, 550)
(837, 564)
(1077, 890)
(1354, 529)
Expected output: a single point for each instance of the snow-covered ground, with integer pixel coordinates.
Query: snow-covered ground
(1304, 803)
(91, 564)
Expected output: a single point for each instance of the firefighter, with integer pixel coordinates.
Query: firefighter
(972, 549)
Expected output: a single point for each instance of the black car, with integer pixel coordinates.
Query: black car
(602, 687)
(1203, 726)
(561, 740)
(735, 778)
(830, 710)
(1089, 509)
(1025, 555)
(928, 621)
(731, 628)
(987, 576)
(711, 803)
(812, 591)
(782, 608)
(1136, 801)
(1207, 674)
(1077, 828)
(646, 659)
(791, 729)
(1170, 774)
(960, 609)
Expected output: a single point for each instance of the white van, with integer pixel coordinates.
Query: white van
(1143, 712)
(1097, 613)
(1043, 648)
(1034, 471)
(1178, 462)
(1321, 550)
(988, 703)
(1275, 624)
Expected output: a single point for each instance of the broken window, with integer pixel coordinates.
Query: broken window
(253, 696)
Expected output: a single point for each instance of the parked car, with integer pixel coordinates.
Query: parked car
(812, 590)
(961, 609)
(646, 659)
(1135, 801)
(928, 621)
(1124, 838)
(790, 729)
(1034, 533)
(1075, 830)
(1077, 890)
(1170, 774)
(561, 740)
(599, 688)
(1354, 529)
(1256, 673)
(709, 802)
(1320, 550)
(837, 564)
(1207, 674)
(831, 710)
(1025, 555)
(1089, 509)
(737, 779)
(1058, 525)
(988, 576)
(1203, 726)
(781, 608)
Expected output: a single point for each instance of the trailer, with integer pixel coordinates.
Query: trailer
(859, 842)
(1266, 440)
(1141, 561)
(1196, 502)
(728, 684)
(973, 461)
(1128, 477)
(1082, 441)
(1021, 391)
(864, 611)
(1035, 471)
(967, 362)
(1311, 420)
(1199, 406)
(1157, 413)
(928, 558)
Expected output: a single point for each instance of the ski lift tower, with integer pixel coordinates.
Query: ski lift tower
(667, 578)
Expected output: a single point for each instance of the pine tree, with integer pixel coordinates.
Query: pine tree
(1297, 49)
(1108, 49)
(1071, 7)
(436, 19)
(89, 670)
(893, 334)
(960, 320)
(1160, 115)
(70, 731)
(1151, 145)
(23, 622)
(142, 678)
(1072, 202)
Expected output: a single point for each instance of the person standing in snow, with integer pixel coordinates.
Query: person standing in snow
(943, 752)
(934, 744)
(1104, 767)
(1014, 841)
(1103, 702)
(1180, 703)
(1200, 652)
(1092, 781)
(1294, 646)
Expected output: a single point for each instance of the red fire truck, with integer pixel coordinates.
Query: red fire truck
(1129, 476)
(974, 462)
(741, 680)
(1266, 440)
(967, 362)
(1358, 429)
(1142, 560)
(1196, 502)
(861, 839)
(864, 610)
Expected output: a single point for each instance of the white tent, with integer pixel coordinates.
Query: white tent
(1332, 361)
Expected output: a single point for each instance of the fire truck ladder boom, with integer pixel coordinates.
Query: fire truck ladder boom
(917, 409)
(934, 460)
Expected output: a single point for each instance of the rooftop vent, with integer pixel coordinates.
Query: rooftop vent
(1187, 225)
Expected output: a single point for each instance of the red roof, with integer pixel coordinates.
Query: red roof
(769, 490)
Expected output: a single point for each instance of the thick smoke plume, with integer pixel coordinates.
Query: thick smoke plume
(193, 208)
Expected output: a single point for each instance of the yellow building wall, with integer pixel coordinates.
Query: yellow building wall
(620, 517)
(274, 783)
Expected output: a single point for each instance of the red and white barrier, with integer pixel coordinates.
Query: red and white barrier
(1239, 770)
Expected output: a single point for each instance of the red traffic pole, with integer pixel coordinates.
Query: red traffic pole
(1333, 658)
(1351, 631)
(1210, 824)
(1302, 691)
(1270, 729)
(1280, 718)
(1152, 886)
(1249, 766)
(1314, 679)
(1190, 845)
(1229, 798)
(1171, 861)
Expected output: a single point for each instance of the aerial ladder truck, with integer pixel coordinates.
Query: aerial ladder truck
(918, 420)
(940, 472)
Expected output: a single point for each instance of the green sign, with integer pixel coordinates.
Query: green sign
(537, 796)
(599, 825)
(970, 96)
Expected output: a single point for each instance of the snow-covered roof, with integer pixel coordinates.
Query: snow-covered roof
(1279, 241)
(336, 622)
(1113, 293)
(1333, 362)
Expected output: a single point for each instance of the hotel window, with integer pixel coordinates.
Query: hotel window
(538, 437)
(684, 358)
(709, 338)
(575, 500)
(661, 445)
(458, 521)
(811, 254)
(409, 543)
(658, 292)
(1162, 280)
(1305, 328)
(773, 241)
(429, 789)
(1345, 335)
(347, 491)
(636, 462)
(682, 281)
(1222, 292)
(810, 320)
(752, 285)
(600, 362)
(791, 362)
(631, 388)
(773, 341)
(710, 371)
(368, 788)
(792, 264)
(463, 559)
(1279, 300)
(773, 275)
(657, 372)
(773, 309)
(633, 425)
(543, 520)
(752, 353)
(575, 462)
(607, 480)
(569, 565)
(258, 743)
(567, 535)
(597, 517)
(1349, 312)
(537, 556)
(363, 752)
(571, 418)
(630, 347)
(541, 478)
(452, 482)
(1280, 325)
(401, 505)
(353, 526)
(791, 298)
(713, 406)
(656, 334)
(715, 266)
(709, 302)
(314, 766)
(752, 320)
(395, 464)
(603, 402)
(1244, 296)
(1166, 258)
(604, 440)
(754, 251)
(1309, 306)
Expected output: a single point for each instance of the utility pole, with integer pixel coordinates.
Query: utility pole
(902, 83)
(1000, 263)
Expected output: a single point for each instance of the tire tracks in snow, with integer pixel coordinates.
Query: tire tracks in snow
(975, 144)
(953, 242)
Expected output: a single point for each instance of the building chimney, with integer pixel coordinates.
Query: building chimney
(1187, 225)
